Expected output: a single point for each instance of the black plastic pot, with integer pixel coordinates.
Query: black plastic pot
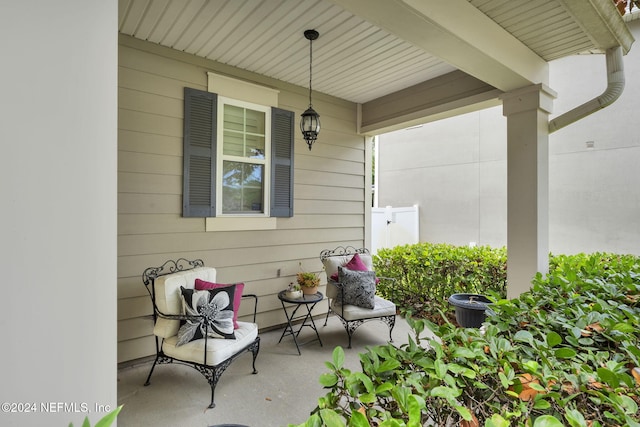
(471, 309)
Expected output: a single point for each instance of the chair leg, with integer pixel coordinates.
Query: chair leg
(391, 322)
(155, 362)
(213, 373)
(213, 390)
(351, 325)
(255, 348)
(328, 311)
(160, 359)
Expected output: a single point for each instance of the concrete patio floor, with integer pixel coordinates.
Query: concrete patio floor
(285, 390)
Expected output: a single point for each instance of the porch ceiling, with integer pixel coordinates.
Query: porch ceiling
(369, 49)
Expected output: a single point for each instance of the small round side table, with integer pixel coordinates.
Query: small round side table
(307, 301)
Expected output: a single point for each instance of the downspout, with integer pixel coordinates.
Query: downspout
(615, 86)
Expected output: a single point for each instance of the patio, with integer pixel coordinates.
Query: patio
(284, 391)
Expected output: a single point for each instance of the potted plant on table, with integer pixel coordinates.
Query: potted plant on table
(309, 282)
(293, 291)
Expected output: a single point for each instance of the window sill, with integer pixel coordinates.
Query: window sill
(239, 224)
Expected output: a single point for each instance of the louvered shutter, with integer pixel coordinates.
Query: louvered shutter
(282, 137)
(200, 120)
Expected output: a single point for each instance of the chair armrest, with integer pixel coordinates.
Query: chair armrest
(255, 304)
(194, 317)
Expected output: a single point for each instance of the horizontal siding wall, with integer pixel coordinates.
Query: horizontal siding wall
(330, 199)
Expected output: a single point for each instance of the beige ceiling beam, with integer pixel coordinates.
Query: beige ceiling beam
(445, 96)
(460, 35)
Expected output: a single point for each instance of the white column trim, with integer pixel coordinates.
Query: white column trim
(527, 110)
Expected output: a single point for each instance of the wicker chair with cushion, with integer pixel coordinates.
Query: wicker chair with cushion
(195, 319)
(351, 289)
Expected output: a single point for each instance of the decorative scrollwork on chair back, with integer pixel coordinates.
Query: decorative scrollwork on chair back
(170, 266)
(341, 251)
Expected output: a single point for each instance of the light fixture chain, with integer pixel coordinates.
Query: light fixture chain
(310, 67)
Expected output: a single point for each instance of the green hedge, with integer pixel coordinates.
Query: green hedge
(567, 353)
(426, 274)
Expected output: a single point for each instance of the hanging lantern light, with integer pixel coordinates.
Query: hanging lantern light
(310, 120)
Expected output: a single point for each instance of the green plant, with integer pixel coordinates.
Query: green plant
(426, 274)
(293, 287)
(308, 279)
(565, 353)
(105, 421)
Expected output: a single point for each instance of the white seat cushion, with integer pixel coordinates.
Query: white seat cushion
(218, 350)
(382, 307)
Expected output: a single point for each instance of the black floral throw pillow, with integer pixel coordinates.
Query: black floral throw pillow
(359, 287)
(216, 305)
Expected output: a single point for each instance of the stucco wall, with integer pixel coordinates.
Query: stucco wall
(330, 201)
(455, 169)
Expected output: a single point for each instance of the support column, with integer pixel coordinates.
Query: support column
(527, 110)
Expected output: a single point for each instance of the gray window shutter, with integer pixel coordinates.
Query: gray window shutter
(282, 137)
(200, 122)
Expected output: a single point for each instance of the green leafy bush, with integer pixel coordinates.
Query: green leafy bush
(427, 274)
(564, 354)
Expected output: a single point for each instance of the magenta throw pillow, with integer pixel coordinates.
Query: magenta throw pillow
(237, 296)
(354, 264)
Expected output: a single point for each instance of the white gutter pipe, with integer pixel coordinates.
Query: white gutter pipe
(615, 86)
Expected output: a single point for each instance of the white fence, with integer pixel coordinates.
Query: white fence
(394, 226)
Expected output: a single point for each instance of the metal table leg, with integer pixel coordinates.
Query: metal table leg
(307, 321)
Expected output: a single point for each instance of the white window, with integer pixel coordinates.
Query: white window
(243, 158)
(238, 162)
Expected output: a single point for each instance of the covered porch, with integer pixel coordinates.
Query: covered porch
(283, 392)
(92, 168)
